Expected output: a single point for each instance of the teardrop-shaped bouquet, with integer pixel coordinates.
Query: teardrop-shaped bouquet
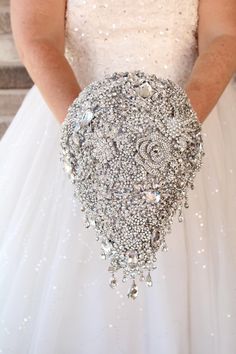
(131, 144)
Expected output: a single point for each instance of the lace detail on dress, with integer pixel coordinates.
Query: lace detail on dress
(157, 36)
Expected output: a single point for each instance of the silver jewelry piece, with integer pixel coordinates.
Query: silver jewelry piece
(131, 144)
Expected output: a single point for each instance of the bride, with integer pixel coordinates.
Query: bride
(54, 295)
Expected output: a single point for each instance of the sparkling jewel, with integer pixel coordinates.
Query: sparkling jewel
(124, 279)
(164, 247)
(142, 277)
(132, 257)
(149, 279)
(186, 205)
(145, 90)
(155, 238)
(153, 197)
(106, 246)
(113, 282)
(133, 291)
(86, 118)
(87, 224)
(67, 167)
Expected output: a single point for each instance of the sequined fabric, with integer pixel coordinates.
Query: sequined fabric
(156, 36)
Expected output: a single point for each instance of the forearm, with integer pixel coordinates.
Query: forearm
(53, 76)
(211, 73)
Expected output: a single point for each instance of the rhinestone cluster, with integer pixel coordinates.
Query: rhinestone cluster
(131, 144)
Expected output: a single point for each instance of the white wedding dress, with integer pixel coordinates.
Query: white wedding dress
(54, 291)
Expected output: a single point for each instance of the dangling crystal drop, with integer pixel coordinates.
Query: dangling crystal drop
(133, 291)
(103, 256)
(111, 268)
(155, 238)
(181, 218)
(113, 282)
(164, 247)
(186, 205)
(124, 279)
(149, 279)
(87, 223)
(142, 277)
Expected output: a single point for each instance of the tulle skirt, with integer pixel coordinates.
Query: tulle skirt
(54, 292)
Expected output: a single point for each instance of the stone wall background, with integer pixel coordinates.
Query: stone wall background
(14, 79)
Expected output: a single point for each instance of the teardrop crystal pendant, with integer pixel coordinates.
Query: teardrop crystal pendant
(142, 277)
(133, 291)
(87, 223)
(149, 279)
(113, 282)
(164, 247)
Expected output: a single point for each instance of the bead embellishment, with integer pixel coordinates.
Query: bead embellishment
(131, 144)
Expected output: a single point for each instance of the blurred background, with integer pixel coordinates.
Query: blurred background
(14, 79)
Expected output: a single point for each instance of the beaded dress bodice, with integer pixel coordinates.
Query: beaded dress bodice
(156, 36)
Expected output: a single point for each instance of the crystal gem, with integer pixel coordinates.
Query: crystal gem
(133, 291)
(186, 205)
(180, 218)
(164, 248)
(124, 279)
(67, 167)
(132, 257)
(86, 118)
(113, 282)
(153, 197)
(149, 279)
(76, 138)
(155, 238)
(87, 224)
(145, 90)
(106, 246)
(142, 277)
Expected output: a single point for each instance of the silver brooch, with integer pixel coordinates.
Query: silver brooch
(131, 144)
